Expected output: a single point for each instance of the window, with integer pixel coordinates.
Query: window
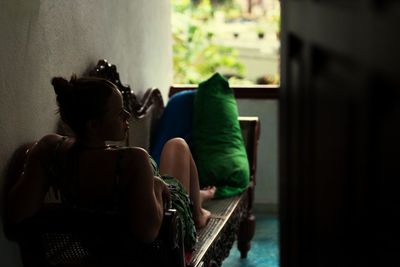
(237, 38)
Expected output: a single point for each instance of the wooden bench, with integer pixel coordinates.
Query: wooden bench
(60, 237)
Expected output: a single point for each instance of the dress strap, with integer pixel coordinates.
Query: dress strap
(59, 143)
(55, 159)
(118, 170)
(54, 167)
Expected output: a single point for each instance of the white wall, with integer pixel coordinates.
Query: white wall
(44, 38)
(267, 158)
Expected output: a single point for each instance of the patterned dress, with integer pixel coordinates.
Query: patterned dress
(182, 203)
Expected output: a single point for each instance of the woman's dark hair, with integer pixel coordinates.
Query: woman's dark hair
(81, 99)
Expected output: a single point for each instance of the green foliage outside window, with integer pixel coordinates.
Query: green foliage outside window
(195, 56)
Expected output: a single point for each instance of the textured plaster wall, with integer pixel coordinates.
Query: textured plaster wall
(267, 157)
(41, 39)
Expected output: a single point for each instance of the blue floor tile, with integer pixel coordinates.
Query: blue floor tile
(264, 250)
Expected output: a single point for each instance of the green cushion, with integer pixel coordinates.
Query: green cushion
(217, 142)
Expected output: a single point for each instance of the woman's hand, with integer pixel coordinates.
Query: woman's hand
(162, 192)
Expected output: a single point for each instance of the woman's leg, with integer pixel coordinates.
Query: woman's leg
(177, 161)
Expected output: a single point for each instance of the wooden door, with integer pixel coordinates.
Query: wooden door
(340, 133)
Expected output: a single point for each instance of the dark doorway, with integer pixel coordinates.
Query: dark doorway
(339, 133)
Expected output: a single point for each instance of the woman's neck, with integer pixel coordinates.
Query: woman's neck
(91, 143)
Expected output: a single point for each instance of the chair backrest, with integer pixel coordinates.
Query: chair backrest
(58, 236)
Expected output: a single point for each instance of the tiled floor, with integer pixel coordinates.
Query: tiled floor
(264, 251)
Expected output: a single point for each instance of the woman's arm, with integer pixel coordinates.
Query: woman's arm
(145, 195)
(27, 195)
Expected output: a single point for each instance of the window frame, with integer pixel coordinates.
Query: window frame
(245, 91)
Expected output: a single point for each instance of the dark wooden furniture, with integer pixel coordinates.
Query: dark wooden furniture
(60, 237)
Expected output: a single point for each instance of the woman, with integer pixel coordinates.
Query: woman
(89, 174)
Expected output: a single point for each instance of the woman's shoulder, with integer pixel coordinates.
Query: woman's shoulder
(132, 157)
(43, 148)
(50, 141)
(130, 153)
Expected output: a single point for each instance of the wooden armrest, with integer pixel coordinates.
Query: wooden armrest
(250, 126)
(169, 232)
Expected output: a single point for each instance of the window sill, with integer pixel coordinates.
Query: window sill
(248, 91)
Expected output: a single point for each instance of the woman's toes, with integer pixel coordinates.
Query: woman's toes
(203, 218)
(208, 193)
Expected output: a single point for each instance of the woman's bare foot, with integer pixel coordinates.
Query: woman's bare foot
(207, 193)
(202, 219)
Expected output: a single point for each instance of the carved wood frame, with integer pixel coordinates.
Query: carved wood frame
(137, 108)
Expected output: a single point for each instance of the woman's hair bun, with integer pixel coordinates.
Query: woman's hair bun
(62, 87)
(81, 99)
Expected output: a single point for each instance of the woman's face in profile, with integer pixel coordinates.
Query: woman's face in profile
(114, 125)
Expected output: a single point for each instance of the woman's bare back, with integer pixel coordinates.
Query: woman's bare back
(94, 174)
(91, 175)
